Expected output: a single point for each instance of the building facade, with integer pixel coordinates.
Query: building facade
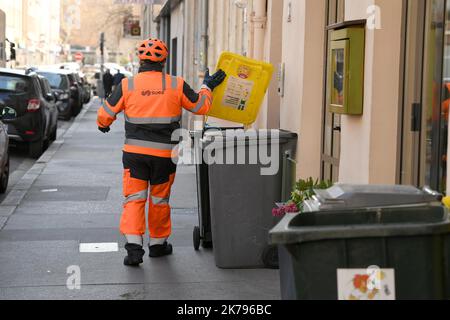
(3, 57)
(33, 25)
(82, 22)
(401, 137)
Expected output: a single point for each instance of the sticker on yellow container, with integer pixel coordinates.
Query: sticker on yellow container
(237, 93)
(240, 97)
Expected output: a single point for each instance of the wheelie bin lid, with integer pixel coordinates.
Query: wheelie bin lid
(346, 196)
(230, 135)
(363, 223)
(363, 211)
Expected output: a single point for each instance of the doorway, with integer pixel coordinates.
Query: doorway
(331, 148)
(426, 94)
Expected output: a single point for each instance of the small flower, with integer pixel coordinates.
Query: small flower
(291, 208)
(275, 212)
(282, 210)
(279, 212)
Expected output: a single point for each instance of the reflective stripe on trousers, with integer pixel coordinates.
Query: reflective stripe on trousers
(138, 196)
(159, 214)
(160, 201)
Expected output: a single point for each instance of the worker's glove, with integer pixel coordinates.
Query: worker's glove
(104, 130)
(215, 80)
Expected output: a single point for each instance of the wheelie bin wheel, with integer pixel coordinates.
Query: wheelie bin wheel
(197, 238)
(270, 257)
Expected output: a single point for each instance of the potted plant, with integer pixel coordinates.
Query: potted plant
(303, 191)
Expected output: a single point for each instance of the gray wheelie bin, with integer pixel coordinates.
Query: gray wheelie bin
(330, 251)
(244, 185)
(202, 235)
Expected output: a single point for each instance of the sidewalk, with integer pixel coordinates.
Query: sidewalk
(73, 196)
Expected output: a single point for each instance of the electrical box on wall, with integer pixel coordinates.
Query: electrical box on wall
(346, 68)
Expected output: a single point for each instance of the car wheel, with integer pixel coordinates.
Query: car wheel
(270, 257)
(36, 149)
(4, 180)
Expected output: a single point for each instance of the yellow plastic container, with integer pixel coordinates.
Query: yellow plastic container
(240, 96)
(446, 202)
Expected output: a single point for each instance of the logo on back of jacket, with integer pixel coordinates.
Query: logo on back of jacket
(149, 93)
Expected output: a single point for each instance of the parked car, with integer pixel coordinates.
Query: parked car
(5, 113)
(76, 90)
(31, 97)
(85, 89)
(60, 85)
(53, 114)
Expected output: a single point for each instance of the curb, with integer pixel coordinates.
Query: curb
(19, 191)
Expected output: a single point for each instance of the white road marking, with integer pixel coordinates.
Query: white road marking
(99, 247)
(49, 190)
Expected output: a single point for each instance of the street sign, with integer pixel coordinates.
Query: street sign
(132, 27)
(136, 31)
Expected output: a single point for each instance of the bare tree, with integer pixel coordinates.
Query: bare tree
(115, 18)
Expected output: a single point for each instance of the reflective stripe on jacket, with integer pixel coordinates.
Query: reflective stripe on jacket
(153, 103)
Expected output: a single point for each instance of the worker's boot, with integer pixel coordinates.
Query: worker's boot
(135, 255)
(161, 250)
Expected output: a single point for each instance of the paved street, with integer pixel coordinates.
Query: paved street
(20, 162)
(73, 196)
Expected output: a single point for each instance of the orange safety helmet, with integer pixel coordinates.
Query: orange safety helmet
(153, 50)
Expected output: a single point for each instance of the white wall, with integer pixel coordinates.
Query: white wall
(13, 11)
(270, 111)
(293, 58)
(177, 31)
(35, 28)
(190, 20)
(369, 150)
(355, 135)
(302, 104)
(227, 31)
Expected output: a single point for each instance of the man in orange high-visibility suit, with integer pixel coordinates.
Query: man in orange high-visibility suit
(152, 102)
